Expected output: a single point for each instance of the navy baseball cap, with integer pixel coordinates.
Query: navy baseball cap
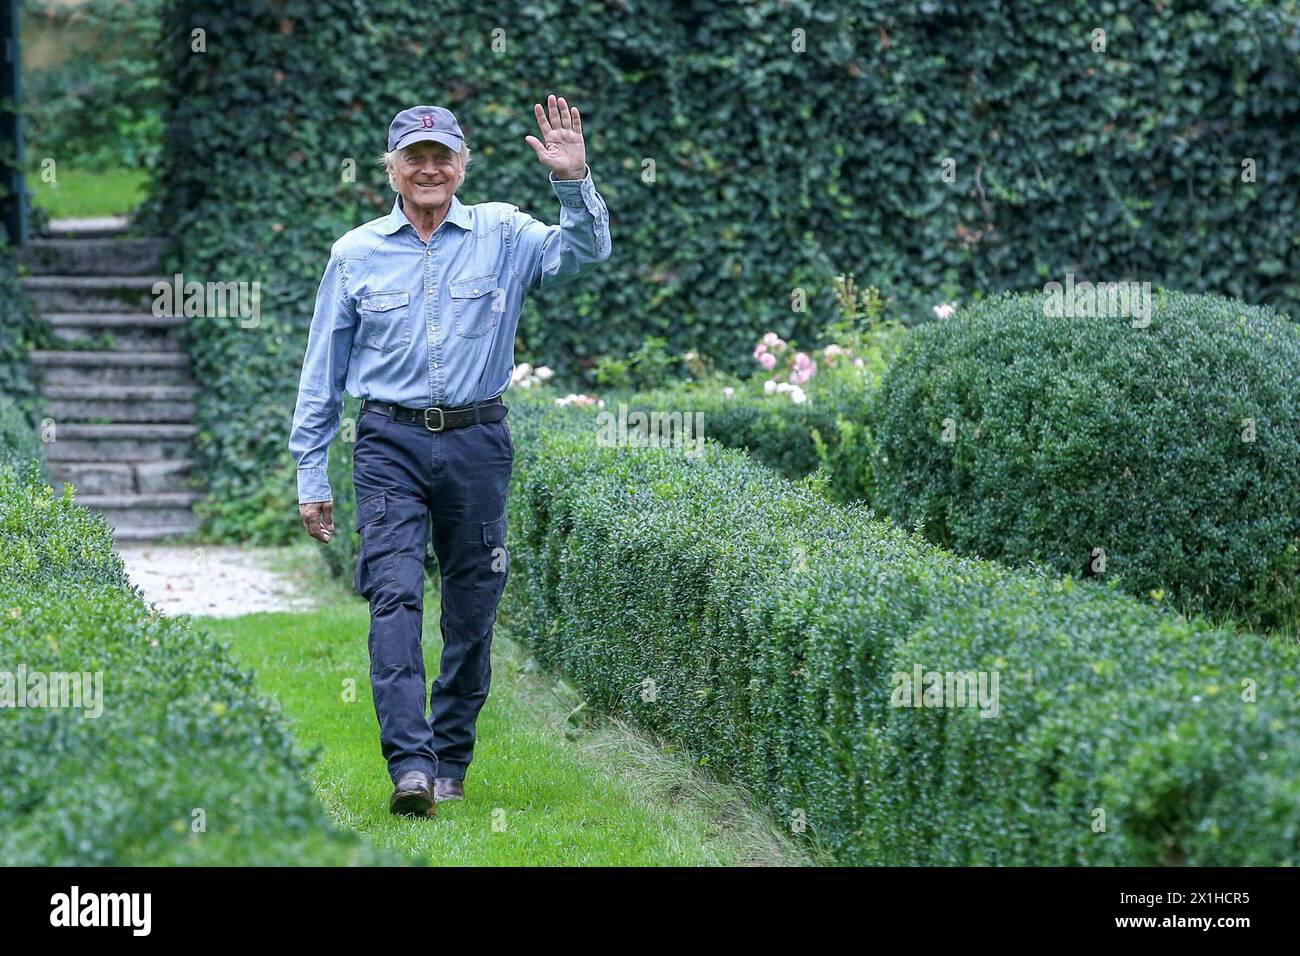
(421, 123)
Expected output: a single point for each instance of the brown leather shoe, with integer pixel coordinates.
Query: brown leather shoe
(445, 788)
(413, 796)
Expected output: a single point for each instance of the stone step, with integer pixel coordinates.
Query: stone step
(167, 509)
(93, 368)
(129, 533)
(64, 293)
(120, 442)
(118, 331)
(114, 320)
(93, 256)
(123, 477)
(89, 228)
(120, 403)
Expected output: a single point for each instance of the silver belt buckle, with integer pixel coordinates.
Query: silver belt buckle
(442, 419)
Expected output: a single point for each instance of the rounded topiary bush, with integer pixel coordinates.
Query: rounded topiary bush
(1168, 454)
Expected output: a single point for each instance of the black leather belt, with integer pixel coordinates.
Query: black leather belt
(491, 410)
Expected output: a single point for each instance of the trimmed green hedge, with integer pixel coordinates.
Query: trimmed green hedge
(182, 729)
(772, 622)
(1119, 164)
(778, 433)
(1072, 434)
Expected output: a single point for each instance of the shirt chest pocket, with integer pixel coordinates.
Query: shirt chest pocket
(385, 320)
(476, 305)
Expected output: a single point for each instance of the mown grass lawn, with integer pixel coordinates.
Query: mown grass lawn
(542, 790)
(80, 193)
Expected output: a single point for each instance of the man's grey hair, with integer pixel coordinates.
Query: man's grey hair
(389, 159)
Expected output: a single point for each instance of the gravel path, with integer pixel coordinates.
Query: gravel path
(212, 580)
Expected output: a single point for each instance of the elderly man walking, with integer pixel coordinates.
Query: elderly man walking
(416, 316)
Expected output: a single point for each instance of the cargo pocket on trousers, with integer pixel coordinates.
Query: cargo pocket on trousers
(494, 537)
(374, 558)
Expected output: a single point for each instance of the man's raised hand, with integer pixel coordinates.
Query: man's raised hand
(561, 148)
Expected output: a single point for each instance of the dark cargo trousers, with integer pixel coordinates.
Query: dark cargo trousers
(411, 481)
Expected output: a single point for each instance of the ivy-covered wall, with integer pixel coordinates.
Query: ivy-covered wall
(20, 331)
(788, 141)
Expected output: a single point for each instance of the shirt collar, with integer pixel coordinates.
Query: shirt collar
(458, 215)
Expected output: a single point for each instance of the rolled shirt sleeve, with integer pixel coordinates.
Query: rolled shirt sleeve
(550, 255)
(318, 413)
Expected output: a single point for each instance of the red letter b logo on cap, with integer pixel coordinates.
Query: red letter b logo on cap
(427, 121)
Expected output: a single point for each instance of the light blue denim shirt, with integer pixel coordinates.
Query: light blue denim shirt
(401, 320)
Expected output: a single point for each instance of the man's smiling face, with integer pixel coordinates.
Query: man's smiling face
(427, 175)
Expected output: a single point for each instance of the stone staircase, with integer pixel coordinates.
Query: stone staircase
(118, 388)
